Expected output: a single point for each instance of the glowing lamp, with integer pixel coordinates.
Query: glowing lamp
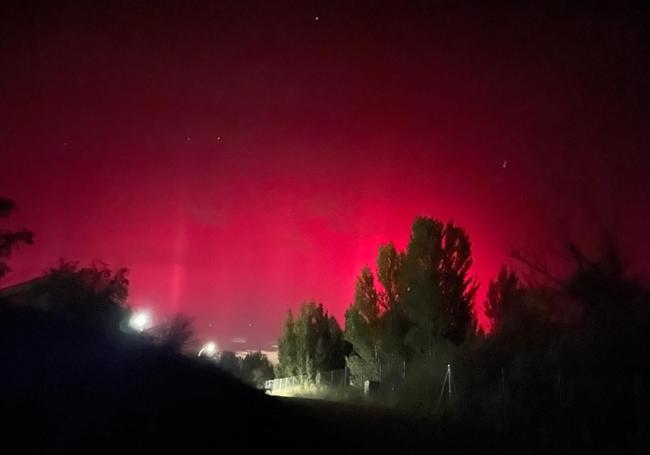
(140, 321)
(209, 349)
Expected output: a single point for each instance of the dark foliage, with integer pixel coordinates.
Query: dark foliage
(75, 377)
(176, 334)
(230, 363)
(10, 240)
(566, 363)
(256, 368)
(310, 343)
(564, 367)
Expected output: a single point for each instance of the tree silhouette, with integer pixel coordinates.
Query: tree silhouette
(362, 329)
(230, 363)
(437, 290)
(256, 368)
(427, 298)
(176, 334)
(310, 343)
(10, 240)
(92, 294)
(502, 293)
(288, 348)
(389, 265)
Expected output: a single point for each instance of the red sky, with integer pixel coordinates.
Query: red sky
(241, 159)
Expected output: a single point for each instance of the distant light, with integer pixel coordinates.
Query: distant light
(140, 321)
(316, 18)
(209, 349)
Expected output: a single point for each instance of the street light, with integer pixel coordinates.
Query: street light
(140, 321)
(209, 349)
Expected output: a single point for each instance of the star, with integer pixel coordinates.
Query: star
(316, 18)
(505, 164)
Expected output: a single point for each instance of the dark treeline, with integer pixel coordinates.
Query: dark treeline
(254, 368)
(564, 365)
(76, 376)
(563, 368)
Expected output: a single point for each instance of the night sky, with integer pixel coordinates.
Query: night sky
(241, 158)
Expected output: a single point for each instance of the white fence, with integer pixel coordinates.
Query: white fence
(297, 385)
(333, 378)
